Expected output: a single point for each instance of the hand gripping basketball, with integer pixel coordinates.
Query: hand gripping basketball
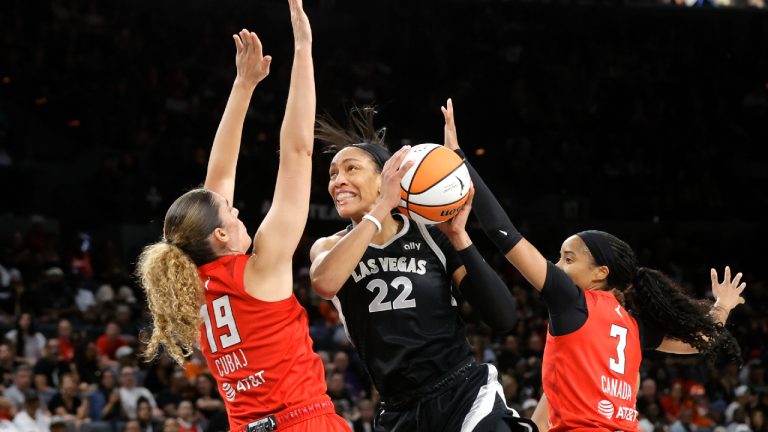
(391, 175)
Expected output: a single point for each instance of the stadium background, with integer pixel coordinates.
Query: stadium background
(646, 120)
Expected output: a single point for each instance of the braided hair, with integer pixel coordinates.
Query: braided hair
(655, 299)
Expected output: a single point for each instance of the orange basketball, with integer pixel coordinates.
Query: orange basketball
(436, 186)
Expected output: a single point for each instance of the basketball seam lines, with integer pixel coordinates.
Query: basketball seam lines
(437, 182)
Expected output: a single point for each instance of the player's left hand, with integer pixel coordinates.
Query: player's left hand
(728, 292)
(455, 227)
(252, 64)
(451, 138)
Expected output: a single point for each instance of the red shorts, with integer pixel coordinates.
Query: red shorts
(317, 415)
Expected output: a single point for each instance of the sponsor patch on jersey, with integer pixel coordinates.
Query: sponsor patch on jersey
(605, 408)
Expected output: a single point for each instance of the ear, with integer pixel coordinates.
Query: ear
(600, 273)
(378, 184)
(221, 235)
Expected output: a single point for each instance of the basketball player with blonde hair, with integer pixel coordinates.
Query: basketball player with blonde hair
(398, 286)
(202, 286)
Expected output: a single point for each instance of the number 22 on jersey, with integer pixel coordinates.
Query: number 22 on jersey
(223, 317)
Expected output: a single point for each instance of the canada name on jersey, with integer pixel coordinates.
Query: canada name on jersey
(388, 264)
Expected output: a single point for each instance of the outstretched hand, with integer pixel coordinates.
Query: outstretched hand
(451, 138)
(391, 175)
(302, 32)
(728, 292)
(252, 64)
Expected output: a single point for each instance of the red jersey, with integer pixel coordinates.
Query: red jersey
(259, 352)
(590, 375)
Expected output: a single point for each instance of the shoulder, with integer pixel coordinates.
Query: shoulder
(324, 244)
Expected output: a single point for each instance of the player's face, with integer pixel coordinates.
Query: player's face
(238, 239)
(576, 261)
(354, 182)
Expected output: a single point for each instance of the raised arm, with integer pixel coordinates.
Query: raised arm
(727, 296)
(279, 234)
(252, 67)
(494, 220)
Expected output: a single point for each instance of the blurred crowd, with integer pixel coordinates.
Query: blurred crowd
(107, 112)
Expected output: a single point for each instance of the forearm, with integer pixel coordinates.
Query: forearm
(226, 144)
(486, 292)
(297, 132)
(329, 273)
(491, 215)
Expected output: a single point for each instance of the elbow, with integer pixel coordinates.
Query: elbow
(503, 323)
(324, 288)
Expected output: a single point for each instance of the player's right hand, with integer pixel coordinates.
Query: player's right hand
(252, 64)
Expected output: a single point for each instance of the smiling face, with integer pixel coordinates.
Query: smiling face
(354, 182)
(577, 262)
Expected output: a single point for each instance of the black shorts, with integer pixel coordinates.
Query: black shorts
(469, 399)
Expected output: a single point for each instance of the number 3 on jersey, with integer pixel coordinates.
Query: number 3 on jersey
(619, 332)
(222, 314)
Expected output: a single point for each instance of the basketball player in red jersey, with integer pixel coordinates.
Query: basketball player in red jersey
(202, 286)
(603, 311)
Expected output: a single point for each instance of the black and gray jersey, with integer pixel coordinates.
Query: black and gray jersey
(400, 311)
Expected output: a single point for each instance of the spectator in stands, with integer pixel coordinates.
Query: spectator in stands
(130, 393)
(104, 401)
(7, 412)
(32, 418)
(88, 362)
(110, 341)
(208, 400)
(509, 354)
(22, 384)
(67, 342)
(364, 422)
(147, 422)
(28, 341)
(48, 370)
(67, 403)
(8, 364)
(171, 396)
(186, 417)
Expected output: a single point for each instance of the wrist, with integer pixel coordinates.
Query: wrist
(243, 84)
(460, 240)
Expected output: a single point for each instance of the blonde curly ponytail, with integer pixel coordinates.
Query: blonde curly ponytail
(168, 274)
(174, 294)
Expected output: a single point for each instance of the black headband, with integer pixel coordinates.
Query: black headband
(380, 154)
(598, 246)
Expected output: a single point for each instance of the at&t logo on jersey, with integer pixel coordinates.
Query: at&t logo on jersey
(247, 383)
(605, 408)
(228, 391)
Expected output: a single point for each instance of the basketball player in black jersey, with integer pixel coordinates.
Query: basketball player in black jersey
(394, 283)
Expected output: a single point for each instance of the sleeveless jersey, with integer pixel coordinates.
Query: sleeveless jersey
(399, 310)
(259, 352)
(590, 375)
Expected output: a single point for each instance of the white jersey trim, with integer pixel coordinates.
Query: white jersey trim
(486, 397)
(431, 242)
(337, 304)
